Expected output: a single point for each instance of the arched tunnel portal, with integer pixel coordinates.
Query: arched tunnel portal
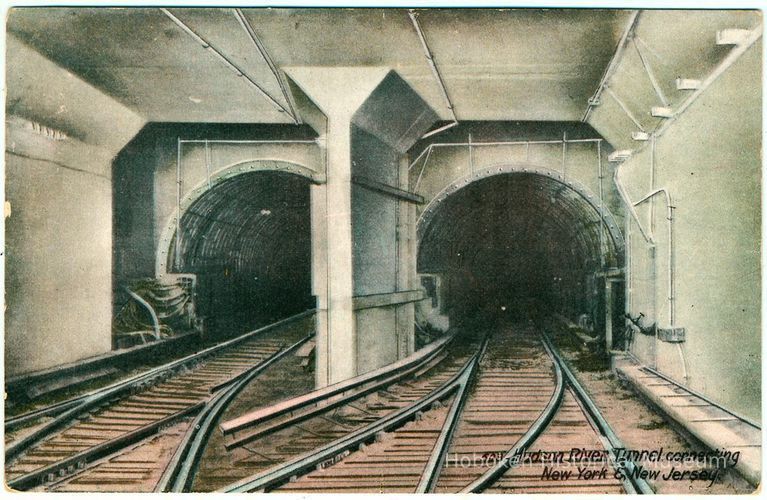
(513, 242)
(248, 241)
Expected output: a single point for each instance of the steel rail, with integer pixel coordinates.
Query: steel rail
(182, 469)
(305, 406)
(310, 411)
(12, 423)
(76, 461)
(77, 406)
(431, 472)
(536, 429)
(697, 394)
(280, 474)
(637, 484)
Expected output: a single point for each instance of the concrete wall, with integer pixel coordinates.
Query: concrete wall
(134, 208)
(59, 232)
(374, 215)
(710, 162)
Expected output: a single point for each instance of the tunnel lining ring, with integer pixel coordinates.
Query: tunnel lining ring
(431, 210)
(167, 236)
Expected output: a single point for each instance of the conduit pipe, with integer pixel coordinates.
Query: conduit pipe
(145, 304)
(651, 241)
(178, 203)
(630, 26)
(670, 267)
(267, 58)
(670, 218)
(650, 73)
(718, 71)
(427, 150)
(435, 71)
(627, 201)
(226, 61)
(624, 107)
(248, 141)
(601, 205)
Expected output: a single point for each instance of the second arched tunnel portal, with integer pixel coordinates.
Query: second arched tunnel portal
(518, 245)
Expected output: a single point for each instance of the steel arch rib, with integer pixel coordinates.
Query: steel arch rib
(426, 216)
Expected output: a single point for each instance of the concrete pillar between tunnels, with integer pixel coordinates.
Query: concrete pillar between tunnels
(363, 238)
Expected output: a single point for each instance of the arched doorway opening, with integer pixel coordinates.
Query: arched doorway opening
(247, 240)
(519, 242)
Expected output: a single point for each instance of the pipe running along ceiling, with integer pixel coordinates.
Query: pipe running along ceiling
(516, 243)
(549, 60)
(248, 240)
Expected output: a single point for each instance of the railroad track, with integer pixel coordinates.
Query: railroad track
(113, 420)
(463, 416)
(313, 425)
(481, 436)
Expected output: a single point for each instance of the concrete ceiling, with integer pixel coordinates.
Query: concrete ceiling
(512, 64)
(675, 44)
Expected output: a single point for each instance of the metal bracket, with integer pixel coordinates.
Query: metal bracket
(732, 36)
(662, 112)
(674, 334)
(640, 136)
(619, 156)
(687, 84)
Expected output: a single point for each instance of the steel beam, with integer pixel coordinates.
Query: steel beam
(386, 189)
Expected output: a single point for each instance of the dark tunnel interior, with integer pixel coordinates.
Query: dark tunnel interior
(248, 240)
(514, 245)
